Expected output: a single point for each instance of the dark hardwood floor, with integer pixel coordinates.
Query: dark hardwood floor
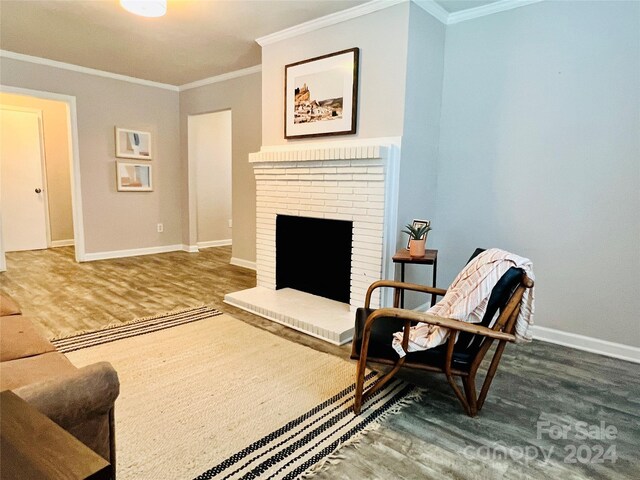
(544, 400)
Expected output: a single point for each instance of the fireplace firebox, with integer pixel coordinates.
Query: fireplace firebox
(313, 255)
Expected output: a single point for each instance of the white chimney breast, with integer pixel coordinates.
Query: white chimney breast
(341, 182)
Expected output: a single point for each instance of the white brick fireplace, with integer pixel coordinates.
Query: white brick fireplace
(353, 181)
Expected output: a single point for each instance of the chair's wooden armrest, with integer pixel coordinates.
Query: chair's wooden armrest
(406, 286)
(404, 315)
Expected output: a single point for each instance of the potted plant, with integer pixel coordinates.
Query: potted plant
(417, 237)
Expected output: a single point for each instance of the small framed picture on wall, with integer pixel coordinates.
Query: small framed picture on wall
(134, 177)
(133, 144)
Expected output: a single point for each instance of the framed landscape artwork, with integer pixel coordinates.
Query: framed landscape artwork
(133, 144)
(321, 95)
(134, 177)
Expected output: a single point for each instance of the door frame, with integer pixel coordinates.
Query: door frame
(43, 164)
(192, 246)
(74, 161)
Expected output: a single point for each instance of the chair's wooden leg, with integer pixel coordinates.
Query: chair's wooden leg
(459, 394)
(383, 380)
(469, 384)
(361, 395)
(360, 371)
(491, 373)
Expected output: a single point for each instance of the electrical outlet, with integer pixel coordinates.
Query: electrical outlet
(160, 228)
(230, 223)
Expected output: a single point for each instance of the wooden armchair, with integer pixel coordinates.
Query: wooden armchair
(374, 332)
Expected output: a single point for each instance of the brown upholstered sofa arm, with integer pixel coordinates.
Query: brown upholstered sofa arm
(72, 399)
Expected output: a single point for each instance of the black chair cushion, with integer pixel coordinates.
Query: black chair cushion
(500, 296)
(380, 343)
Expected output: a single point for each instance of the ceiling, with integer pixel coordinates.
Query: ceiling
(197, 39)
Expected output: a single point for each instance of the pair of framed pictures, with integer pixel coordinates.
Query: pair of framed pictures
(133, 144)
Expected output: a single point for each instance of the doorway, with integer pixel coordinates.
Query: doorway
(23, 196)
(210, 160)
(60, 192)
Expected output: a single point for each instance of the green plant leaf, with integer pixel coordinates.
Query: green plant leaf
(416, 232)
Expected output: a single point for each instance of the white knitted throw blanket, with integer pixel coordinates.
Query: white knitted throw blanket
(467, 298)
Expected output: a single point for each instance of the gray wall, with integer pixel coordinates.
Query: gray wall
(242, 96)
(540, 155)
(382, 38)
(116, 220)
(539, 149)
(418, 173)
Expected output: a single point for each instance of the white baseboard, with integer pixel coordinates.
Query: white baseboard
(239, 262)
(90, 257)
(190, 248)
(588, 344)
(214, 243)
(579, 342)
(62, 243)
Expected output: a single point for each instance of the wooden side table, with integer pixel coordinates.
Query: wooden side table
(35, 447)
(430, 258)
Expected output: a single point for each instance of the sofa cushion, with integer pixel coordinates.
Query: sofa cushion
(20, 338)
(23, 371)
(8, 306)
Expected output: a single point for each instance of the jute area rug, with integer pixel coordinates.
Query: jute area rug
(203, 395)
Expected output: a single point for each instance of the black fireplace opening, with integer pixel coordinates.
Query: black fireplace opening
(313, 255)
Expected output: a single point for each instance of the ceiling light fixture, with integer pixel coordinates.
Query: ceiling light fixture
(145, 8)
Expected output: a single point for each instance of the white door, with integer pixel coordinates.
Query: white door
(22, 196)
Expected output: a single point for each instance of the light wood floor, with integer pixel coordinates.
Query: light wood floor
(431, 439)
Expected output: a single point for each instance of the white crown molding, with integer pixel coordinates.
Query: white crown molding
(433, 8)
(89, 71)
(488, 9)
(328, 20)
(221, 78)
(429, 6)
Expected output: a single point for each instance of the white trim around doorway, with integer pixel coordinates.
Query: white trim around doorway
(74, 160)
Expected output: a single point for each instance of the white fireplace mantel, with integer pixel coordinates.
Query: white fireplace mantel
(315, 152)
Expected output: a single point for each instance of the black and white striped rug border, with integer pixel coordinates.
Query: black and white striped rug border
(306, 444)
(133, 328)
